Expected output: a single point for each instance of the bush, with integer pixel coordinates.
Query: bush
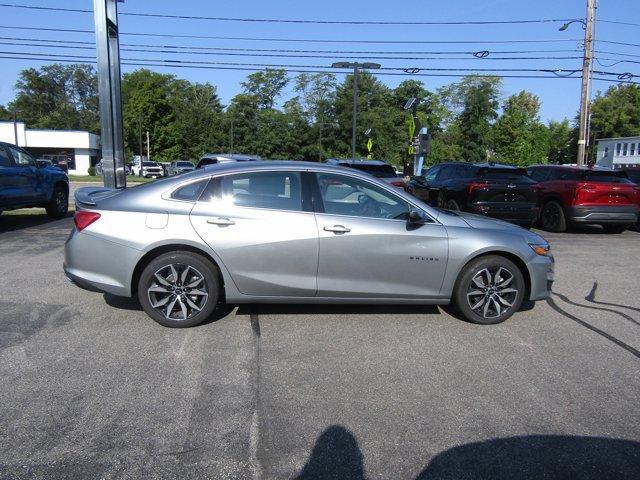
(91, 171)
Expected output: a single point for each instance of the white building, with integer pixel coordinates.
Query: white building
(73, 151)
(618, 152)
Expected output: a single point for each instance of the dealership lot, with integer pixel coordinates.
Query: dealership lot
(92, 388)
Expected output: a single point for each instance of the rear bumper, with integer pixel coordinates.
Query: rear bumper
(518, 213)
(624, 214)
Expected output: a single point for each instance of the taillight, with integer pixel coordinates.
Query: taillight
(477, 186)
(84, 218)
(399, 184)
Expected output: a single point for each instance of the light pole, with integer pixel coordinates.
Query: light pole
(355, 66)
(585, 90)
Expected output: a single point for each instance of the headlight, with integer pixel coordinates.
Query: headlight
(540, 248)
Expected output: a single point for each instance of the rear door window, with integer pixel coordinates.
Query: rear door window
(272, 190)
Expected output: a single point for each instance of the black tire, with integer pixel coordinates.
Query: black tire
(181, 314)
(552, 218)
(58, 205)
(614, 228)
(496, 266)
(451, 204)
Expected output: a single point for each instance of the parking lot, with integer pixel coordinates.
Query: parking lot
(92, 388)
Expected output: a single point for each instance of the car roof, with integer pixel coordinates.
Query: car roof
(354, 161)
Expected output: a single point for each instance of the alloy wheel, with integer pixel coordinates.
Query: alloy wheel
(550, 216)
(61, 201)
(178, 291)
(492, 292)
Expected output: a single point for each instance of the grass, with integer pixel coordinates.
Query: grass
(98, 179)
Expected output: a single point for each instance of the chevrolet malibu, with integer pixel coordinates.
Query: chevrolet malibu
(296, 232)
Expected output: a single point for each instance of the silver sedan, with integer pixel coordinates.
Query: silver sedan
(296, 232)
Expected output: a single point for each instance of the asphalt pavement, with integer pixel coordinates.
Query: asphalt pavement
(92, 388)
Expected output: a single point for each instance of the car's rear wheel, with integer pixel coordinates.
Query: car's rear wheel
(179, 289)
(59, 203)
(615, 228)
(489, 290)
(552, 217)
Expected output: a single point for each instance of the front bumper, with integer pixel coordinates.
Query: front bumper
(518, 213)
(542, 275)
(624, 214)
(94, 263)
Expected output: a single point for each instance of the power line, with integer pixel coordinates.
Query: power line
(251, 53)
(300, 40)
(296, 21)
(615, 22)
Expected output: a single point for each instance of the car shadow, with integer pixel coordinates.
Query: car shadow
(9, 223)
(336, 454)
(334, 309)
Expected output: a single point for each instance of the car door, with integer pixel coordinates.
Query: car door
(367, 247)
(259, 226)
(22, 177)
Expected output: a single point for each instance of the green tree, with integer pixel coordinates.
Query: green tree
(561, 142)
(519, 137)
(616, 113)
(58, 97)
(479, 96)
(266, 86)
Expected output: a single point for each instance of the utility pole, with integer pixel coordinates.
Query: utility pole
(140, 152)
(585, 91)
(148, 148)
(15, 127)
(231, 137)
(355, 66)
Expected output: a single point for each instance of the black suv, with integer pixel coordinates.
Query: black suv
(499, 191)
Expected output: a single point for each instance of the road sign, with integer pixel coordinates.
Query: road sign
(369, 145)
(412, 127)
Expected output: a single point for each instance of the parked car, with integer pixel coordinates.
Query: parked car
(100, 172)
(634, 175)
(377, 168)
(179, 166)
(148, 169)
(215, 158)
(584, 195)
(25, 183)
(499, 191)
(248, 232)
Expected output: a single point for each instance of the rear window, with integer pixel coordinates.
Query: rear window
(604, 176)
(380, 171)
(634, 175)
(504, 174)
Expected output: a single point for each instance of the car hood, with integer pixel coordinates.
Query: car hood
(482, 222)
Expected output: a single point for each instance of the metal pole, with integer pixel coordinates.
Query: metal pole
(586, 83)
(148, 147)
(140, 152)
(231, 135)
(355, 110)
(15, 128)
(105, 13)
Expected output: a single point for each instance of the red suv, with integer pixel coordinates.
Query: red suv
(586, 196)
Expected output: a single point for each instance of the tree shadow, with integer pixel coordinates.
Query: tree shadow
(10, 223)
(336, 455)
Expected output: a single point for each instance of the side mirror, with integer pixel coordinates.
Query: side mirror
(417, 217)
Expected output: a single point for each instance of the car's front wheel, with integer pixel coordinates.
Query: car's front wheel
(179, 289)
(489, 290)
(59, 203)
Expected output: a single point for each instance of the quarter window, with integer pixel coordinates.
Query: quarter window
(357, 198)
(273, 190)
(190, 192)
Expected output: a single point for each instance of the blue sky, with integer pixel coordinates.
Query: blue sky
(560, 97)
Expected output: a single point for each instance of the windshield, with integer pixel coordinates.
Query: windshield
(150, 164)
(380, 171)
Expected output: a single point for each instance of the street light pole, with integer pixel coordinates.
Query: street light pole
(355, 66)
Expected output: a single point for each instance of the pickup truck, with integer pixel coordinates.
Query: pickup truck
(25, 183)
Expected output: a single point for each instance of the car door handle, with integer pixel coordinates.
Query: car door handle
(337, 229)
(220, 221)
